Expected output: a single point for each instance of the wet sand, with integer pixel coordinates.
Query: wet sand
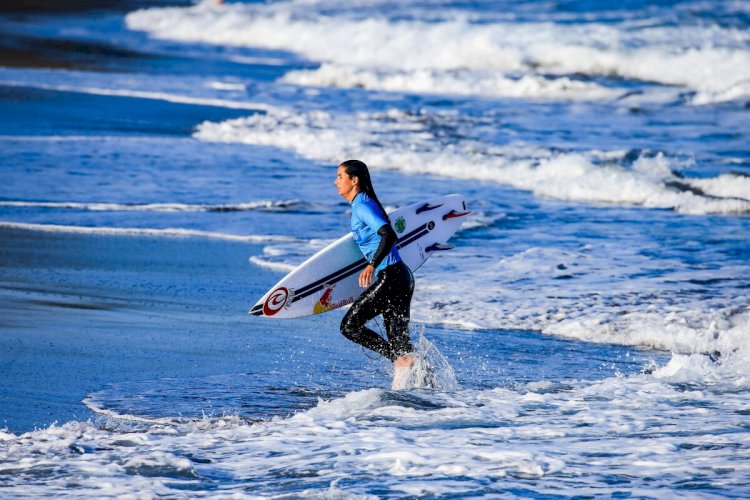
(24, 51)
(81, 311)
(18, 51)
(56, 6)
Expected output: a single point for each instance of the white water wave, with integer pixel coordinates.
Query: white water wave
(711, 61)
(184, 90)
(140, 94)
(155, 207)
(537, 437)
(458, 82)
(269, 264)
(411, 143)
(228, 86)
(95, 407)
(139, 231)
(480, 219)
(725, 186)
(600, 293)
(730, 372)
(285, 257)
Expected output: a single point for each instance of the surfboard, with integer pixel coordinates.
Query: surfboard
(329, 279)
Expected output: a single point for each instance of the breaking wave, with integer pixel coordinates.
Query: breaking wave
(415, 146)
(140, 231)
(711, 61)
(534, 437)
(263, 205)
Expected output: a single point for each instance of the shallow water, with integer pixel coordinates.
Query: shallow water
(163, 167)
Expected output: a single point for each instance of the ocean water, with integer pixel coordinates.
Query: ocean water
(164, 165)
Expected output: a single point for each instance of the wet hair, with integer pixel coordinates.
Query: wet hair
(356, 168)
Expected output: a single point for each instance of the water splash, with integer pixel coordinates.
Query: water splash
(431, 370)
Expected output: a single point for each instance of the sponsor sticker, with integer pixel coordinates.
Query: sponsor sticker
(326, 304)
(275, 301)
(400, 225)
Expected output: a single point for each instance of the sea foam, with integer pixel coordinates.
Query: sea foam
(594, 294)
(534, 436)
(455, 82)
(140, 231)
(414, 147)
(711, 61)
(261, 205)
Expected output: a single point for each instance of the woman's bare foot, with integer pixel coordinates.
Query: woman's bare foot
(401, 371)
(405, 361)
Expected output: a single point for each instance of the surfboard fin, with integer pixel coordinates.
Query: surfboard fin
(436, 247)
(453, 214)
(426, 207)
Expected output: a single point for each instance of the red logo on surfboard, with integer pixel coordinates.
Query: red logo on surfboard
(325, 303)
(275, 301)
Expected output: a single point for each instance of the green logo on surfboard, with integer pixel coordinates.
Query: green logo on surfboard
(400, 225)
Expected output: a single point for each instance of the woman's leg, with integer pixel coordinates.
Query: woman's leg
(396, 314)
(371, 303)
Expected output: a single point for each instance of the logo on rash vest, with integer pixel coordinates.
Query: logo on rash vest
(325, 304)
(275, 301)
(400, 225)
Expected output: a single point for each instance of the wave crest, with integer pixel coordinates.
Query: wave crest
(263, 205)
(711, 61)
(415, 146)
(140, 231)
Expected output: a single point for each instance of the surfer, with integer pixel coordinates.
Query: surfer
(390, 294)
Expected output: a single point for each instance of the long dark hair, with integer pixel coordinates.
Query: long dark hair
(356, 168)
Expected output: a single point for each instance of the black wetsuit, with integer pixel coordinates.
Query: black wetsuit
(390, 294)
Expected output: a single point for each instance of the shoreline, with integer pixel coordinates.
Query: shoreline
(148, 314)
(83, 311)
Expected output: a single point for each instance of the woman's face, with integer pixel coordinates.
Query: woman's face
(347, 186)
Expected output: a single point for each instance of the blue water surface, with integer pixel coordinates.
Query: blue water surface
(162, 169)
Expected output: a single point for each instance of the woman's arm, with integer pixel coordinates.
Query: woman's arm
(387, 239)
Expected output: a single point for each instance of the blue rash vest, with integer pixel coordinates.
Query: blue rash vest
(367, 218)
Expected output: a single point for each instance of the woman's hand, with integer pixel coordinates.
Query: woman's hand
(365, 277)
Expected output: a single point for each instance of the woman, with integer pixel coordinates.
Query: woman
(390, 294)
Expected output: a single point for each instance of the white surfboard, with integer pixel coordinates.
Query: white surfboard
(330, 278)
